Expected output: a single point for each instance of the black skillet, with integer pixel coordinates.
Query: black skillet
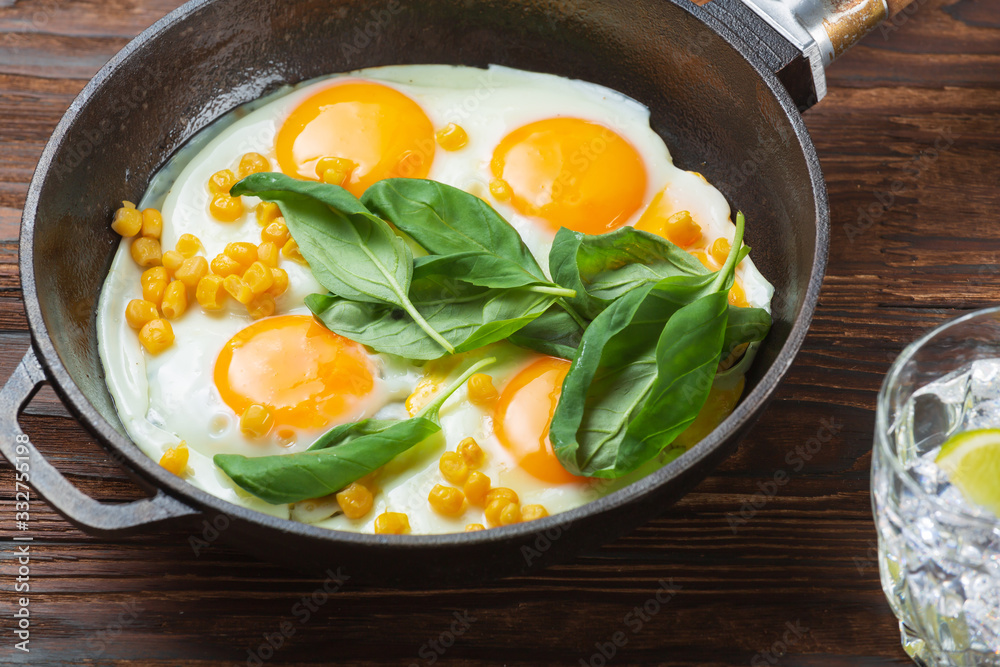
(725, 83)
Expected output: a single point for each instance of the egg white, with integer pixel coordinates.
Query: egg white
(171, 396)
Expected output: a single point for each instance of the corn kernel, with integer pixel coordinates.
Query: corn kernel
(243, 252)
(127, 221)
(355, 500)
(280, 282)
(221, 182)
(481, 390)
(291, 251)
(127, 204)
(210, 293)
(267, 212)
(188, 245)
(720, 250)
(175, 459)
(335, 170)
(452, 137)
(472, 527)
(495, 512)
(146, 251)
(253, 163)
(267, 252)
(453, 468)
(276, 232)
(471, 452)
(737, 296)
(705, 260)
(226, 208)
(191, 271)
(223, 265)
(238, 289)
(140, 311)
(174, 300)
(510, 514)
(262, 305)
(446, 500)
(501, 492)
(392, 523)
(152, 223)
(681, 229)
(476, 488)
(154, 281)
(256, 421)
(156, 335)
(499, 189)
(259, 277)
(172, 260)
(533, 512)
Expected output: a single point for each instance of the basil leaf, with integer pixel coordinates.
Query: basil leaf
(745, 325)
(602, 268)
(348, 453)
(554, 332)
(351, 252)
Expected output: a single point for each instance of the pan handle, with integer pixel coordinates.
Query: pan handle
(95, 518)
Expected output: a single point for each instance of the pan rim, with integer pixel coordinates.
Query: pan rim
(130, 455)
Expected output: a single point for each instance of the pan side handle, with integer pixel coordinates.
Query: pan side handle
(34, 471)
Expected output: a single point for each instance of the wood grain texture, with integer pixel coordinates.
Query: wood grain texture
(908, 138)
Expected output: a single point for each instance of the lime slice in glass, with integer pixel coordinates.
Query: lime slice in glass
(972, 461)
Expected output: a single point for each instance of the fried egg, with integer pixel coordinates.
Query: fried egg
(546, 152)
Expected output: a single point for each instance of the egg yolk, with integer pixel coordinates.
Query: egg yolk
(382, 131)
(522, 417)
(571, 173)
(306, 375)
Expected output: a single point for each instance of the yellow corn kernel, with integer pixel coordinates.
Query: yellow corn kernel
(719, 250)
(532, 512)
(146, 251)
(276, 232)
(188, 245)
(453, 468)
(510, 514)
(174, 300)
(256, 421)
(495, 512)
(705, 260)
(154, 281)
(499, 189)
(226, 208)
(481, 390)
(172, 260)
(243, 252)
(175, 459)
(267, 252)
(127, 221)
(355, 500)
(259, 277)
(476, 488)
(392, 523)
(452, 137)
(267, 212)
(262, 305)
(291, 251)
(221, 182)
(238, 289)
(335, 170)
(471, 452)
(152, 223)
(280, 282)
(223, 265)
(501, 492)
(472, 527)
(191, 271)
(737, 296)
(681, 229)
(210, 293)
(156, 335)
(446, 500)
(140, 311)
(253, 163)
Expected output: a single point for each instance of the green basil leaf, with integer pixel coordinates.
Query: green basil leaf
(745, 325)
(554, 332)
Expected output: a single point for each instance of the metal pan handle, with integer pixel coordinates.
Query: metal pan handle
(96, 518)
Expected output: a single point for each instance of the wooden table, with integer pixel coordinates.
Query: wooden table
(914, 112)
